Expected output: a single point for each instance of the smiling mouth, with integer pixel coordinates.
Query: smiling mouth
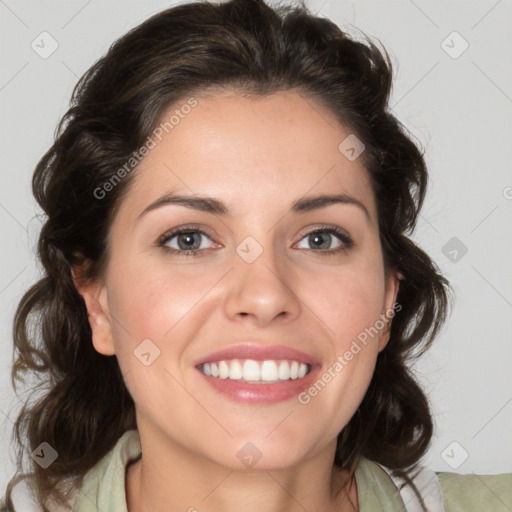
(256, 372)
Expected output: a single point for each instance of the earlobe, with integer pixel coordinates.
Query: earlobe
(96, 301)
(392, 287)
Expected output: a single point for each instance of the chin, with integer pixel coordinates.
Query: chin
(259, 455)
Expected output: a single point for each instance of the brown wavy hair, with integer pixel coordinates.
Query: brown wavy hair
(80, 405)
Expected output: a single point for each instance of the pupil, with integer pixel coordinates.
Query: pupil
(187, 239)
(318, 239)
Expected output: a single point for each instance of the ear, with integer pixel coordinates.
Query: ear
(96, 301)
(391, 292)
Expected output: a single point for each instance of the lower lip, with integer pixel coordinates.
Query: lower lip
(244, 392)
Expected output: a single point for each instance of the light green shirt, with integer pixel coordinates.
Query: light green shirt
(103, 487)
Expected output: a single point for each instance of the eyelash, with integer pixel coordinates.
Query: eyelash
(347, 242)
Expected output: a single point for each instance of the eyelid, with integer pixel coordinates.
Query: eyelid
(183, 229)
(343, 236)
(323, 227)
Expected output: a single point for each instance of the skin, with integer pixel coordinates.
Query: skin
(257, 156)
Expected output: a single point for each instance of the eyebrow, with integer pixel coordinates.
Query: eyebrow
(212, 205)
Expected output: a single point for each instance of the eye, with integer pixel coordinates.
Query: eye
(326, 239)
(192, 241)
(185, 241)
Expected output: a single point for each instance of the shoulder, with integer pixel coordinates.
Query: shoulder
(464, 493)
(375, 489)
(23, 498)
(378, 489)
(103, 486)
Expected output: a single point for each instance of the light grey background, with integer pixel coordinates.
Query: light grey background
(459, 108)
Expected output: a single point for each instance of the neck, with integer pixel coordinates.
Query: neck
(174, 479)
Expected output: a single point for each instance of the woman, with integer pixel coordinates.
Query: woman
(231, 299)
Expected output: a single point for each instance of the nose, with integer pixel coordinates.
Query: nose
(262, 291)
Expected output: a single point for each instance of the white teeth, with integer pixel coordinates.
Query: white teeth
(269, 370)
(294, 370)
(223, 370)
(253, 371)
(235, 371)
(284, 370)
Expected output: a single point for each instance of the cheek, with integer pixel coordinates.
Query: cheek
(149, 301)
(350, 308)
(348, 300)
(147, 304)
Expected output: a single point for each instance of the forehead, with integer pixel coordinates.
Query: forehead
(271, 148)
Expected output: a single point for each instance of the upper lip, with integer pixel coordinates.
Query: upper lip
(259, 353)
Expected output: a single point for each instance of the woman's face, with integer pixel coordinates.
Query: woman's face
(266, 272)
